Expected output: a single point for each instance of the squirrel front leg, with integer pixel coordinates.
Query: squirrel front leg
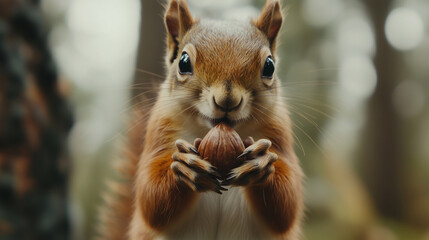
(278, 200)
(272, 183)
(168, 184)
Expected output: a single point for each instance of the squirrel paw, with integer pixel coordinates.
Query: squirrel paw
(196, 173)
(257, 167)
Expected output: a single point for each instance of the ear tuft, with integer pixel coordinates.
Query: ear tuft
(270, 20)
(178, 20)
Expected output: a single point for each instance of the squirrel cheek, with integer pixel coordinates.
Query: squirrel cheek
(268, 82)
(182, 78)
(203, 105)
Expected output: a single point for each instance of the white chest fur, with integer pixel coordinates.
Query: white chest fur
(223, 217)
(219, 217)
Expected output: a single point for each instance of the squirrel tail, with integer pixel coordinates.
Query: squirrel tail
(117, 212)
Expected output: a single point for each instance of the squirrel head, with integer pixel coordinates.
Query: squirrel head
(225, 70)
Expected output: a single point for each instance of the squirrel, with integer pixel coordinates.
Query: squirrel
(218, 71)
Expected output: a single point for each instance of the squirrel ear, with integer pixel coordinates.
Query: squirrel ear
(178, 21)
(270, 20)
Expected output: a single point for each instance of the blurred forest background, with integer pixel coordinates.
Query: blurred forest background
(356, 77)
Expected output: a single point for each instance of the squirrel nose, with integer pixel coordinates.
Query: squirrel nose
(227, 104)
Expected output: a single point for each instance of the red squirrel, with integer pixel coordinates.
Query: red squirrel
(218, 71)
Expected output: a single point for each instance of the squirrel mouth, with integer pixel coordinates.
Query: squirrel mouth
(225, 120)
(215, 121)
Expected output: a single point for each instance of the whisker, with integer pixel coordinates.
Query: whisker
(311, 101)
(299, 142)
(289, 85)
(127, 129)
(305, 103)
(305, 133)
(308, 83)
(315, 110)
(300, 145)
(149, 102)
(307, 117)
(149, 73)
(324, 69)
(309, 137)
(167, 105)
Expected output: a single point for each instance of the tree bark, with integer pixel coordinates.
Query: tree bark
(34, 122)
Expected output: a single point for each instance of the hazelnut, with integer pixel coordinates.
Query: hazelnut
(220, 147)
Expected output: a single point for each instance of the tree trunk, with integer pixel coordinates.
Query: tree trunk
(150, 60)
(383, 141)
(34, 123)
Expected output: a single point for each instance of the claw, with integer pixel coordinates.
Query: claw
(193, 171)
(215, 174)
(227, 181)
(215, 182)
(194, 150)
(229, 175)
(243, 154)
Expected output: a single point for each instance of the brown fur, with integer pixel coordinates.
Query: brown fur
(117, 213)
(227, 64)
(160, 199)
(282, 189)
(270, 21)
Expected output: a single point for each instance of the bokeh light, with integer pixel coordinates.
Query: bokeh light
(404, 28)
(320, 13)
(358, 76)
(355, 36)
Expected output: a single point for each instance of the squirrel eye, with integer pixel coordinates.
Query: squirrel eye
(268, 70)
(185, 64)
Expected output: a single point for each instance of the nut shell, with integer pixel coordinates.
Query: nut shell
(220, 147)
